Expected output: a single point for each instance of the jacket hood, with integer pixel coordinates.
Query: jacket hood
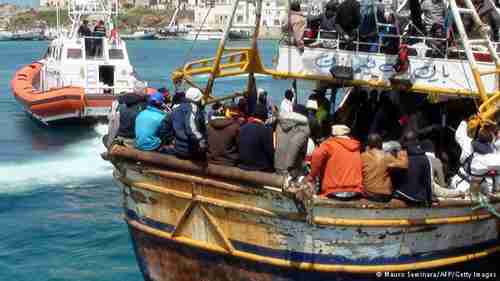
(131, 99)
(297, 13)
(221, 123)
(288, 120)
(348, 143)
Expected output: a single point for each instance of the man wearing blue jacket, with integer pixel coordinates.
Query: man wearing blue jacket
(186, 127)
(148, 124)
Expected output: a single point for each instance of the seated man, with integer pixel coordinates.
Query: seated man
(292, 133)
(437, 173)
(223, 139)
(148, 123)
(186, 128)
(337, 161)
(376, 168)
(256, 143)
(478, 157)
(414, 184)
(129, 107)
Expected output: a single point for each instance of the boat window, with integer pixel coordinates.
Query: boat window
(116, 54)
(48, 53)
(93, 47)
(75, 54)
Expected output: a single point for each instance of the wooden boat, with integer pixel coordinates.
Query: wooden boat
(193, 221)
(79, 77)
(197, 221)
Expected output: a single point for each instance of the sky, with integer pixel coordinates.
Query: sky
(31, 3)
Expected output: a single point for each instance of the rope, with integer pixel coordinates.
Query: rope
(483, 203)
(190, 52)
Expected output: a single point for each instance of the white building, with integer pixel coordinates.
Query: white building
(272, 14)
(53, 3)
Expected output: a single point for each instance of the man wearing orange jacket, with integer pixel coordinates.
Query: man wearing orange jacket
(337, 162)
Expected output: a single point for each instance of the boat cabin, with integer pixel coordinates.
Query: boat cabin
(97, 64)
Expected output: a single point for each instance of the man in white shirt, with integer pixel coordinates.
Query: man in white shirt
(287, 103)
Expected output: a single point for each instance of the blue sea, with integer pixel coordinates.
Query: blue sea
(60, 211)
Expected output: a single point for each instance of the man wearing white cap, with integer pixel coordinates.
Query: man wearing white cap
(187, 127)
(337, 162)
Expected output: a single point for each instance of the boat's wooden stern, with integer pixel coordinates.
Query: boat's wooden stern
(236, 231)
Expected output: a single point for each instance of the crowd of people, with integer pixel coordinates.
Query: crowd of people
(353, 19)
(364, 149)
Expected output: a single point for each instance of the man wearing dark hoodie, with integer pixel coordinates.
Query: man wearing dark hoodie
(223, 135)
(124, 110)
(337, 162)
(256, 143)
(414, 185)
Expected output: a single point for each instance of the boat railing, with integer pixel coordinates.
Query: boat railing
(232, 63)
(387, 43)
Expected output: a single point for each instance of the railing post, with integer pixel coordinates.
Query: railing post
(220, 52)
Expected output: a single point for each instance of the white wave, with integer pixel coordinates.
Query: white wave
(74, 165)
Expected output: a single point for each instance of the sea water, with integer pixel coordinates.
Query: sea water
(60, 211)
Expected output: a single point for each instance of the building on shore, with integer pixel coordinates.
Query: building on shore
(53, 3)
(272, 14)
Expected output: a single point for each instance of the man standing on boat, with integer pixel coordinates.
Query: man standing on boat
(84, 30)
(296, 25)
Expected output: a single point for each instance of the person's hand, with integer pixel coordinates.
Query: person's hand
(203, 145)
(310, 179)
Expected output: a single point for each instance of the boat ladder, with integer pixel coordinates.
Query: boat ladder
(92, 78)
(468, 43)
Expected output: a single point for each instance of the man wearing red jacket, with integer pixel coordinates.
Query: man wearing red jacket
(337, 162)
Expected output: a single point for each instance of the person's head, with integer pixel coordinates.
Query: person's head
(101, 22)
(427, 146)
(485, 136)
(85, 22)
(260, 112)
(194, 95)
(233, 111)
(140, 88)
(218, 111)
(312, 105)
(295, 6)
(410, 137)
(243, 106)
(340, 130)
(374, 141)
(330, 9)
(156, 100)
(166, 94)
(262, 96)
(289, 94)
(320, 92)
